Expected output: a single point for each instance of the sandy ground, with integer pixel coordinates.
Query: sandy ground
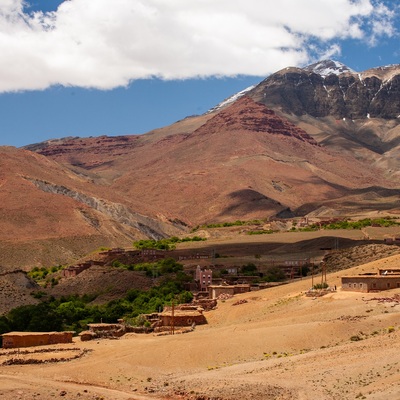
(279, 344)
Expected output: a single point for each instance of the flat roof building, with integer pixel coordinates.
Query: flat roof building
(385, 279)
(217, 290)
(29, 339)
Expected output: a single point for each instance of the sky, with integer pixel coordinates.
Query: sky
(100, 67)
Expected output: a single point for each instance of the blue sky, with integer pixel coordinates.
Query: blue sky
(90, 68)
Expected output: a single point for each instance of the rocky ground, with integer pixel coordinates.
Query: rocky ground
(351, 257)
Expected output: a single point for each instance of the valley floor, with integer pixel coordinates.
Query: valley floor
(278, 344)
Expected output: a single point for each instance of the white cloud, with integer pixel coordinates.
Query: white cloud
(382, 24)
(103, 44)
(331, 52)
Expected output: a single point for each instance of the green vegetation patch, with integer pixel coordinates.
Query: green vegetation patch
(165, 244)
(347, 224)
(154, 269)
(229, 224)
(323, 285)
(261, 232)
(75, 312)
(43, 276)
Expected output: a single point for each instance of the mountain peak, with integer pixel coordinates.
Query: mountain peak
(328, 67)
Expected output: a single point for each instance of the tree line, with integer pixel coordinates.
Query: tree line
(75, 312)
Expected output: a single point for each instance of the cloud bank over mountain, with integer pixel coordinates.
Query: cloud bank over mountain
(104, 44)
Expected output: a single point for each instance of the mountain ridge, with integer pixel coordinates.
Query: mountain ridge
(280, 148)
(374, 93)
(244, 115)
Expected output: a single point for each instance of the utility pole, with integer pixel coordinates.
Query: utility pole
(173, 318)
(312, 275)
(323, 272)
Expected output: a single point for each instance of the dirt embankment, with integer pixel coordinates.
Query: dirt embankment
(351, 257)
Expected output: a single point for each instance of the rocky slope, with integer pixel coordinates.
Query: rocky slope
(16, 290)
(242, 162)
(331, 89)
(50, 214)
(352, 112)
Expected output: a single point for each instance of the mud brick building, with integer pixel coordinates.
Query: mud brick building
(216, 290)
(385, 279)
(29, 339)
(182, 316)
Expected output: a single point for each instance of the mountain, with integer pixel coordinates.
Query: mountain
(353, 112)
(332, 89)
(307, 139)
(244, 161)
(50, 214)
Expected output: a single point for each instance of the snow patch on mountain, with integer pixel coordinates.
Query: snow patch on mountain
(329, 67)
(230, 99)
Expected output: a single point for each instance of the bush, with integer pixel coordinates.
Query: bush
(261, 232)
(165, 244)
(39, 274)
(274, 274)
(229, 224)
(249, 269)
(39, 294)
(323, 285)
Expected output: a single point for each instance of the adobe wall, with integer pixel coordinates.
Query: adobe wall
(216, 291)
(183, 320)
(241, 289)
(26, 339)
(206, 304)
(366, 284)
(75, 270)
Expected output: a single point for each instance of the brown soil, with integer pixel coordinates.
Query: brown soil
(243, 162)
(106, 282)
(278, 344)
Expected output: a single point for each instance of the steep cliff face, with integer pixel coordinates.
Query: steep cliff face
(332, 89)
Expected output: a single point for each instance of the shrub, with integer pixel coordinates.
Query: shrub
(38, 295)
(261, 232)
(39, 274)
(274, 274)
(165, 244)
(249, 269)
(323, 285)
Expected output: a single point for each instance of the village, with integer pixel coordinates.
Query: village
(208, 286)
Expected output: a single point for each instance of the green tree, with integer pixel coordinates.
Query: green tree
(274, 274)
(4, 324)
(249, 269)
